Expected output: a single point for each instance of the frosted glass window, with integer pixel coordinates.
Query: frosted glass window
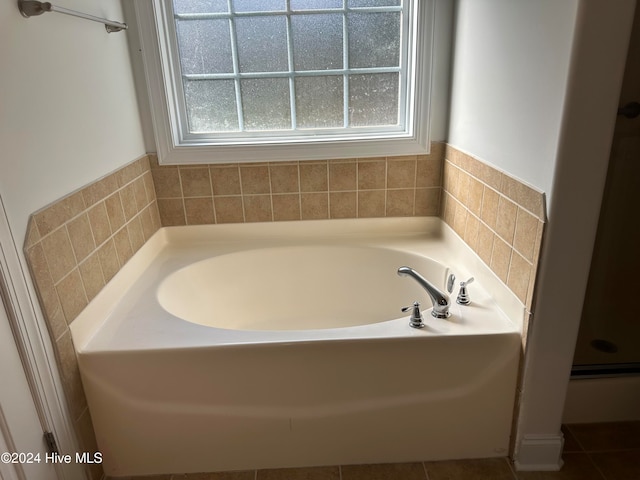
(317, 41)
(374, 40)
(211, 106)
(266, 104)
(315, 4)
(373, 99)
(262, 44)
(320, 102)
(200, 6)
(258, 5)
(205, 46)
(373, 3)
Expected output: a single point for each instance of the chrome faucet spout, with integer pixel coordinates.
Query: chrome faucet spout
(439, 299)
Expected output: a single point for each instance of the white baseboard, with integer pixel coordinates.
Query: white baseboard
(539, 453)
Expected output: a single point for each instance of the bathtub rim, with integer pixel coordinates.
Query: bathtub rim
(90, 321)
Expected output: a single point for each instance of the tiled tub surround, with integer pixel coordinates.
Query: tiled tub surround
(498, 216)
(310, 190)
(74, 247)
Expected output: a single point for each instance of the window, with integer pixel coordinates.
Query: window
(246, 80)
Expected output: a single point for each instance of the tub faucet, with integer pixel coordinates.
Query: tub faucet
(439, 299)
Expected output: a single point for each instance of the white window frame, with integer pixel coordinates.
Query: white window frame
(159, 59)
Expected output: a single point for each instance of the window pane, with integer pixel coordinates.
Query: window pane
(199, 6)
(211, 105)
(317, 41)
(319, 102)
(258, 5)
(374, 3)
(262, 44)
(315, 4)
(373, 99)
(266, 104)
(374, 40)
(205, 46)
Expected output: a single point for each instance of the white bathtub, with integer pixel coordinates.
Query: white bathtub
(281, 345)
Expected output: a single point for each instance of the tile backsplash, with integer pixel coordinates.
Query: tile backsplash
(74, 247)
(309, 190)
(498, 216)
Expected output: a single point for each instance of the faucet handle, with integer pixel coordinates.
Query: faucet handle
(450, 282)
(463, 295)
(416, 320)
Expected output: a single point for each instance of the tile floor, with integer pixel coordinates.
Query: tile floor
(596, 451)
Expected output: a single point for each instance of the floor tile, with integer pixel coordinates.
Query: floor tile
(577, 466)
(481, 469)
(570, 442)
(618, 465)
(311, 473)
(387, 471)
(595, 437)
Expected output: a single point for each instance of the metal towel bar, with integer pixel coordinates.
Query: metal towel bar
(29, 8)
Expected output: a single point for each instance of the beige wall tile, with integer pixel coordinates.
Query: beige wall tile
(99, 222)
(195, 182)
(81, 237)
(450, 178)
(427, 201)
(199, 211)
(449, 208)
(342, 176)
(400, 202)
(489, 211)
(108, 259)
(72, 296)
(128, 173)
(371, 203)
(60, 212)
(128, 197)
(372, 174)
(115, 213)
(136, 236)
(229, 209)
(314, 206)
(33, 234)
(525, 235)
(506, 219)
(524, 195)
(257, 208)
(146, 219)
(171, 211)
(255, 179)
(401, 173)
(519, 276)
(474, 200)
(500, 258)
(149, 189)
(471, 231)
(460, 220)
(286, 206)
(485, 243)
(429, 171)
(99, 190)
(123, 246)
(314, 177)
(140, 193)
(343, 205)
(462, 189)
(284, 179)
(167, 182)
(226, 180)
(46, 291)
(59, 253)
(91, 274)
(70, 375)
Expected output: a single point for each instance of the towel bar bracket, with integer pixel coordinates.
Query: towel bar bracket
(31, 8)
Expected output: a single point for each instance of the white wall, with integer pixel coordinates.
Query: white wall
(511, 60)
(68, 111)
